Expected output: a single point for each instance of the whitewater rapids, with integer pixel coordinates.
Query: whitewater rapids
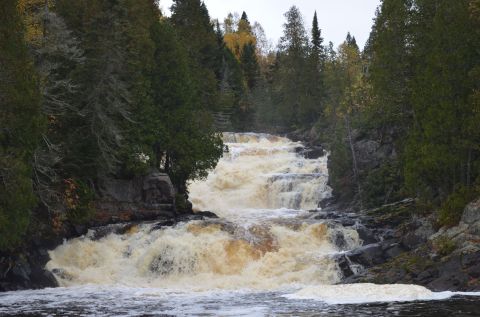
(265, 240)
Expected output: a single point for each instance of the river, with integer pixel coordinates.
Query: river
(265, 256)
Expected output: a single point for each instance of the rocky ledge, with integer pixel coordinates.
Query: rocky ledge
(122, 203)
(402, 248)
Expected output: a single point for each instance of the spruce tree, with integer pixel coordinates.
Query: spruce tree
(317, 39)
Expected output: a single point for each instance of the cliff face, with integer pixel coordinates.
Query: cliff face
(141, 199)
(121, 202)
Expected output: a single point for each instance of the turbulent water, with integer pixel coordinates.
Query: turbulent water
(264, 256)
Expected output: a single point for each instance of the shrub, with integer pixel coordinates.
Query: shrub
(452, 209)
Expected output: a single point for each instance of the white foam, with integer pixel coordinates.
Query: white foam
(371, 293)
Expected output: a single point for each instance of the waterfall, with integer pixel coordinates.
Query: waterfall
(265, 242)
(262, 190)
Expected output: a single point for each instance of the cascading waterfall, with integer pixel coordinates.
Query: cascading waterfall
(264, 243)
(263, 240)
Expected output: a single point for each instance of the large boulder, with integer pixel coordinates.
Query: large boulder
(367, 256)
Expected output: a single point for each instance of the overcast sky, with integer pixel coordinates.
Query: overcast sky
(336, 17)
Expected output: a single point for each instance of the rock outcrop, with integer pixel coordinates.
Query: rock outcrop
(121, 203)
(144, 198)
(410, 251)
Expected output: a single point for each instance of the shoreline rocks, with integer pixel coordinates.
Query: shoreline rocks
(122, 204)
(410, 251)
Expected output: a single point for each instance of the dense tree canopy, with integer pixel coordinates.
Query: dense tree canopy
(95, 89)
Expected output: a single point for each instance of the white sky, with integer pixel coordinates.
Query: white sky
(335, 17)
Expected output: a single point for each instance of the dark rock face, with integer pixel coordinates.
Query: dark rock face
(25, 271)
(367, 256)
(412, 252)
(145, 198)
(122, 203)
(344, 265)
(158, 190)
(313, 152)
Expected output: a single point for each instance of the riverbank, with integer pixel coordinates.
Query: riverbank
(411, 250)
(400, 244)
(121, 205)
(402, 241)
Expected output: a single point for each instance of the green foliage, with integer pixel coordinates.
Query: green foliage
(20, 127)
(452, 208)
(390, 70)
(16, 202)
(444, 245)
(192, 23)
(440, 149)
(383, 185)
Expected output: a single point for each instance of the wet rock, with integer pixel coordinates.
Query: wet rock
(101, 232)
(451, 276)
(367, 256)
(80, 230)
(206, 214)
(314, 152)
(347, 222)
(325, 203)
(61, 273)
(343, 265)
(43, 278)
(163, 224)
(366, 235)
(339, 241)
(426, 276)
(25, 271)
(395, 275)
(21, 271)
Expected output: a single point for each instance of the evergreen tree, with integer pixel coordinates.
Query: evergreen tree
(317, 40)
(289, 86)
(185, 138)
(192, 23)
(57, 54)
(250, 66)
(21, 124)
(441, 149)
(390, 69)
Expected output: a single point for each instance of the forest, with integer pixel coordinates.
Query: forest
(114, 88)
